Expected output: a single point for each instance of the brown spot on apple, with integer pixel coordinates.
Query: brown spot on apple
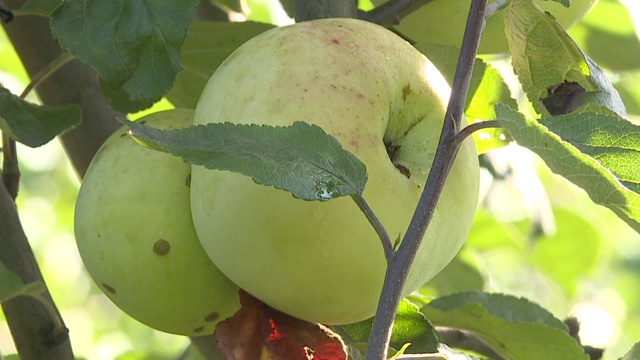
(212, 317)
(406, 91)
(392, 149)
(198, 329)
(109, 288)
(187, 180)
(161, 247)
(403, 170)
(335, 41)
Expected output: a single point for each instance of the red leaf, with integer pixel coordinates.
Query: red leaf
(258, 331)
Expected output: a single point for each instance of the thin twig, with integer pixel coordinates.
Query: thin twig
(467, 131)
(402, 260)
(391, 12)
(387, 244)
(49, 70)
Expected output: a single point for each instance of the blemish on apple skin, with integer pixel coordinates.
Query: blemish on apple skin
(335, 41)
(212, 317)
(403, 170)
(406, 91)
(161, 247)
(109, 288)
(198, 329)
(187, 181)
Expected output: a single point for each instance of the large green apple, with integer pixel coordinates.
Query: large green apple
(384, 102)
(443, 22)
(136, 238)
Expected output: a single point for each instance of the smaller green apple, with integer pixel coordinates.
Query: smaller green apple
(443, 22)
(136, 238)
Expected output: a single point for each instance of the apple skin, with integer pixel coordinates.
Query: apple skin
(136, 238)
(322, 261)
(443, 22)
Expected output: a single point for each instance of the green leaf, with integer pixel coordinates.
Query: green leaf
(612, 141)
(513, 327)
(206, 46)
(35, 125)
(565, 159)
(571, 253)
(487, 88)
(38, 7)
(133, 44)
(607, 34)
(410, 326)
(457, 276)
(11, 285)
(555, 74)
(301, 158)
(633, 354)
(120, 100)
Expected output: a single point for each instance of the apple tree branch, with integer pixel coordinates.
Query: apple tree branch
(445, 155)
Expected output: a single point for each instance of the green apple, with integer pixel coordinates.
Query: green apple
(385, 102)
(443, 22)
(136, 238)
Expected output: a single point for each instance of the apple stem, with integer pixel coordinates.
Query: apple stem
(387, 244)
(401, 261)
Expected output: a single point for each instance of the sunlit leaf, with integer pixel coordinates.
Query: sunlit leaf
(35, 125)
(633, 354)
(608, 36)
(604, 185)
(487, 88)
(301, 158)
(515, 328)
(551, 67)
(410, 326)
(570, 254)
(206, 46)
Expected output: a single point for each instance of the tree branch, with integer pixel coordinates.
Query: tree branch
(402, 260)
(10, 171)
(74, 83)
(31, 325)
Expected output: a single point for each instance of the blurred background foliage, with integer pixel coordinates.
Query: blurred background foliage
(535, 235)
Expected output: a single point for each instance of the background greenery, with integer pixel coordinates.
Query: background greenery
(536, 235)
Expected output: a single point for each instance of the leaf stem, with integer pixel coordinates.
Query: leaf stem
(468, 130)
(60, 332)
(387, 244)
(402, 259)
(47, 71)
